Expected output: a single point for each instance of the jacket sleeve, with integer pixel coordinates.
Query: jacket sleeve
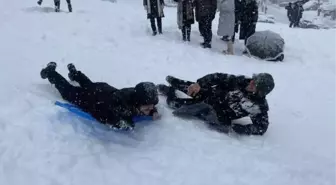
(113, 115)
(145, 2)
(255, 13)
(224, 80)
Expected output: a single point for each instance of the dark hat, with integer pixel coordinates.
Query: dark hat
(146, 93)
(264, 83)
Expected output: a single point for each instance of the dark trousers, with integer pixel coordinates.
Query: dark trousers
(205, 27)
(194, 107)
(159, 24)
(73, 94)
(186, 29)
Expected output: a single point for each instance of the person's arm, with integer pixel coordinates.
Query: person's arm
(255, 13)
(222, 79)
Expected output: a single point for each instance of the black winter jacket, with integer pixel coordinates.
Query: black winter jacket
(227, 95)
(110, 105)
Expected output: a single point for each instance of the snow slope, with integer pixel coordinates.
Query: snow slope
(42, 144)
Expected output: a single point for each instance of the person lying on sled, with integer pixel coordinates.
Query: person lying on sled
(220, 98)
(107, 104)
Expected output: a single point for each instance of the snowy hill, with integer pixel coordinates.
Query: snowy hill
(41, 144)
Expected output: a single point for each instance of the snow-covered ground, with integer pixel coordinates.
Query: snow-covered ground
(41, 144)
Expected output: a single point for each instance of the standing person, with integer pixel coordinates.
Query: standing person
(205, 13)
(154, 10)
(185, 17)
(219, 98)
(226, 22)
(58, 5)
(107, 104)
(297, 13)
(249, 18)
(290, 9)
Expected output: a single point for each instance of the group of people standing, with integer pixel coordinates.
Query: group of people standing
(294, 13)
(232, 15)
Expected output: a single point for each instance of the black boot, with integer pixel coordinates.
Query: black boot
(51, 66)
(72, 71)
(165, 90)
(206, 45)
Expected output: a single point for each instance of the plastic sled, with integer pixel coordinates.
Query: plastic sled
(76, 110)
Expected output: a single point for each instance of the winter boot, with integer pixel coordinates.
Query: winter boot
(51, 66)
(206, 45)
(166, 90)
(39, 2)
(72, 71)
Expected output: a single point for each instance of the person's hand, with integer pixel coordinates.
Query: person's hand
(156, 116)
(193, 89)
(145, 7)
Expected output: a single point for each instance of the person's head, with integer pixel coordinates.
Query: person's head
(146, 97)
(261, 84)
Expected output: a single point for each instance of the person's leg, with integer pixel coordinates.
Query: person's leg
(184, 33)
(179, 84)
(207, 32)
(67, 91)
(69, 5)
(188, 27)
(159, 23)
(57, 5)
(153, 26)
(78, 76)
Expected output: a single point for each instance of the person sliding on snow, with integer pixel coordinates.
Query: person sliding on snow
(58, 5)
(220, 98)
(107, 104)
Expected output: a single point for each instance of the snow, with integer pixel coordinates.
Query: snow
(42, 144)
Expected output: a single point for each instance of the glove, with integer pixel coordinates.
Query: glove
(145, 7)
(122, 125)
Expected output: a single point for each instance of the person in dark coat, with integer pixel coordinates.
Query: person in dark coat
(219, 98)
(297, 11)
(154, 10)
(108, 105)
(205, 11)
(185, 17)
(290, 14)
(248, 19)
(58, 5)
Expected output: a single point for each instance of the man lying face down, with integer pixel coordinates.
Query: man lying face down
(109, 105)
(220, 98)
